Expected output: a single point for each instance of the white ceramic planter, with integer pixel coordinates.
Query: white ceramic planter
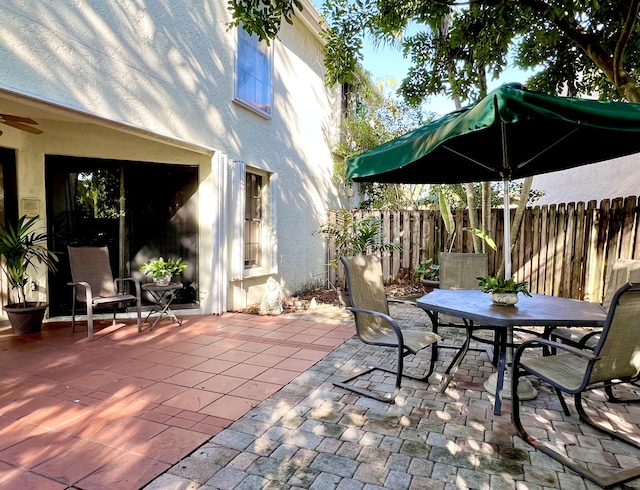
(504, 299)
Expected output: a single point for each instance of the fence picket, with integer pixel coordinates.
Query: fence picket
(563, 250)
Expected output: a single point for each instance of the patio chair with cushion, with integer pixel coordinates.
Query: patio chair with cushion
(622, 272)
(574, 371)
(374, 325)
(94, 285)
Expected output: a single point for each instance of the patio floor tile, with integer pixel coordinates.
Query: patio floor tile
(119, 411)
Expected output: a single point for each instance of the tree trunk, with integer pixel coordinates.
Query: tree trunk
(473, 216)
(486, 211)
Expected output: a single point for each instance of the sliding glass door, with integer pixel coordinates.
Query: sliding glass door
(138, 210)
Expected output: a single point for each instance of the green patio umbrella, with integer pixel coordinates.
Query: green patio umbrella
(509, 134)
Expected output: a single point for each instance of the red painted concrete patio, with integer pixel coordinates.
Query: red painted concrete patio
(121, 410)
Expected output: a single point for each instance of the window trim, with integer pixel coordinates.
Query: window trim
(269, 229)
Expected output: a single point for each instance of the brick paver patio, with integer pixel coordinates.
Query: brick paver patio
(246, 402)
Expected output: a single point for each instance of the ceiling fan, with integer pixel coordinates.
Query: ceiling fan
(19, 123)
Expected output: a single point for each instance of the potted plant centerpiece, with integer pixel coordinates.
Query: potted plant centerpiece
(22, 248)
(504, 292)
(163, 270)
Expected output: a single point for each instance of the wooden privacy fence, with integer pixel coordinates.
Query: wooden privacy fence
(561, 250)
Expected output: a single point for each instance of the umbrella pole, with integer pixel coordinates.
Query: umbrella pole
(507, 229)
(526, 391)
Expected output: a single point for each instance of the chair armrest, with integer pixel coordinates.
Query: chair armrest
(121, 280)
(585, 354)
(387, 318)
(87, 290)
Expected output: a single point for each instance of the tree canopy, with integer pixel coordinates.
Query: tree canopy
(581, 46)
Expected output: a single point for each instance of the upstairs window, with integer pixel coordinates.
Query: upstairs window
(254, 73)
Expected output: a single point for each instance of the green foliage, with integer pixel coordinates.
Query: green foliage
(353, 237)
(483, 236)
(373, 121)
(99, 194)
(160, 268)
(427, 271)
(584, 45)
(262, 17)
(492, 284)
(22, 248)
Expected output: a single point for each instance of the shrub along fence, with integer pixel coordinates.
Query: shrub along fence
(561, 250)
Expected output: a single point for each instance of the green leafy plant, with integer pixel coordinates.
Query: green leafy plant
(492, 284)
(427, 271)
(160, 268)
(22, 248)
(353, 236)
(483, 236)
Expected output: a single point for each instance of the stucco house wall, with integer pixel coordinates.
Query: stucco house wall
(155, 82)
(619, 177)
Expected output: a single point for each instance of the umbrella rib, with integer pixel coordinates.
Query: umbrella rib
(487, 167)
(527, 162)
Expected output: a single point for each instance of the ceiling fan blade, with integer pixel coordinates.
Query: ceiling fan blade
(9, 117)
(23, 127)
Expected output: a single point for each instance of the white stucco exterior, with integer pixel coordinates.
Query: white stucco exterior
(619, 177)
(155, 82)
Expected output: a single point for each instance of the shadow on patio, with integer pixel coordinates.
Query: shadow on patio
(123, 409)
(242, 401)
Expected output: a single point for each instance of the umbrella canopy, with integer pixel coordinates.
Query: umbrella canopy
(509, 134)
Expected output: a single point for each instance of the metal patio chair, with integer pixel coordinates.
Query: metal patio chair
(459, 271)
(574, 371)
(622, 272)
(94, 285)
(374, 325)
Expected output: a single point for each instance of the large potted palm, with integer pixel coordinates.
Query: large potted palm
(21, 248)
(352, 236)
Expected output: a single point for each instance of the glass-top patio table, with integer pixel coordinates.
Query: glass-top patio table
(535, 311)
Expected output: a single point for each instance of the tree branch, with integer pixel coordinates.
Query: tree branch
(623, 40)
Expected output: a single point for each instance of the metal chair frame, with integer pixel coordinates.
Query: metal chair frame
(374, 325)
(93, 284)
(581, 370)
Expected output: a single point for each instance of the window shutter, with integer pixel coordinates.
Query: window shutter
(274, 193)
(237, 171)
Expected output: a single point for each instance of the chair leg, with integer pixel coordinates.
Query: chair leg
(388, 397)
(73, 312)
(563, 402)
(139, 313)
(90, 321)
(603, 481)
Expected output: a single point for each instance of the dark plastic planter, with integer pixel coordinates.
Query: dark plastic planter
(26, 319)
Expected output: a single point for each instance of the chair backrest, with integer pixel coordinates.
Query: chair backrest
(622, 272)
(459, 270)
(619, 345)
(91, 264)
(366, 289)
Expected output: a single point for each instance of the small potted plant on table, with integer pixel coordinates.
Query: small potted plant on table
(22, 248)
(163, 270)
(504, 292)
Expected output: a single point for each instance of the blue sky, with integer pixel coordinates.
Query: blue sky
(387, 62)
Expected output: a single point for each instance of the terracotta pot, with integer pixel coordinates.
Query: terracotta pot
(26, 319)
